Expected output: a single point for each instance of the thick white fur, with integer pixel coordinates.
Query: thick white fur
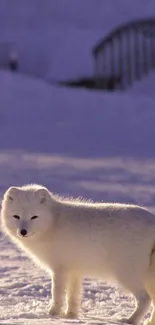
(72, 239)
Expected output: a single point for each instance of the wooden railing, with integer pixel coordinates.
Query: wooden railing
(125, 55)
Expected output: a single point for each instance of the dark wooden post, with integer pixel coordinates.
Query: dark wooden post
(144, 51)
(112, 75)
(149, 47)
(96, 68)
(112, 58)
(128, 56)
(100, 68)
(136, 53)
(104, 69)
(153, 45)
(120, 58)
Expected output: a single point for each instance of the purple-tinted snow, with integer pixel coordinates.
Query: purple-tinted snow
(37, 117)
(76, 142)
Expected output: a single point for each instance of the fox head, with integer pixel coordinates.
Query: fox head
(26, 211)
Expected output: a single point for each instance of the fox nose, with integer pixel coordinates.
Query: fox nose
(23, 232)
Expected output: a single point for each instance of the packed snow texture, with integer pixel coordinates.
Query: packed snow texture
(76, 142)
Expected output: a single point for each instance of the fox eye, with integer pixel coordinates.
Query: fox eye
(16, 217)
(34, 217)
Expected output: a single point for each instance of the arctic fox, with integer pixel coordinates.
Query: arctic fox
(72, 239)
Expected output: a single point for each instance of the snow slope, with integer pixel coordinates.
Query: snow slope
(75, 123)
(55, 41)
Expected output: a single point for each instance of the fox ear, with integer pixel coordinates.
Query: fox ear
(11, 193)
(43, 194)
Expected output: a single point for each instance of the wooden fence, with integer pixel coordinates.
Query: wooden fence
(125, 55)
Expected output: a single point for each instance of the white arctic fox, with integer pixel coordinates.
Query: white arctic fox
(71, 239)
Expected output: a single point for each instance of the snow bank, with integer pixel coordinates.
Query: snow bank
(38, 117)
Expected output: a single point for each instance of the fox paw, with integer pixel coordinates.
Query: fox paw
(71, 315)
(54, 311)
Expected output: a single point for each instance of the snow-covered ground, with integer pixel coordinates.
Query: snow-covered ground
(76, 142)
